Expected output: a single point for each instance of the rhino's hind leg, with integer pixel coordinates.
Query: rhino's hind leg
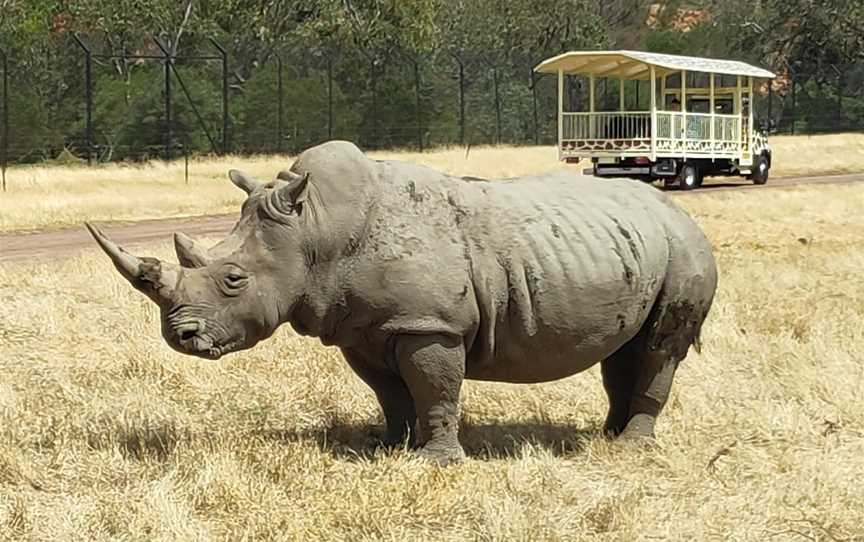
(433, 368)
(646, 365)
(619, 371)
(392, 394)
(653, 383)
(637, 382)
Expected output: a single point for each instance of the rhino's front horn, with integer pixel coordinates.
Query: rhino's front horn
(152, 277)
(243, 181)
(189, 254)
(128, 265)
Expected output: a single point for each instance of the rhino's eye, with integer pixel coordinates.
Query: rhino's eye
(234, 281)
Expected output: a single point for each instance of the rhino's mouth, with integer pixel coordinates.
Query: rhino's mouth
(206, 346)
(208, 349)
(216, 352)
(196, 335)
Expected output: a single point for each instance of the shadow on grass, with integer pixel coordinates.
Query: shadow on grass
(349, 441)
(157, 441)
(352, 442)
(494, 441)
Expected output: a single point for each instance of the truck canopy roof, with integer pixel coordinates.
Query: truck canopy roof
(637, 65)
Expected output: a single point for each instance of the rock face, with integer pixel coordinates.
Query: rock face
(424, 279)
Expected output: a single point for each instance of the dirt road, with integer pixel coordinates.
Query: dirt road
(17, 246)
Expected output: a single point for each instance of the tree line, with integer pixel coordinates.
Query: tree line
(384, 73)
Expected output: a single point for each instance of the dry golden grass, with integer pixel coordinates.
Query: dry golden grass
(818, 154)
(52, 196)
(106, 434)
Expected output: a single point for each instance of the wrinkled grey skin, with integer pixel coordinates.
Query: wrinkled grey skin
(424, 279)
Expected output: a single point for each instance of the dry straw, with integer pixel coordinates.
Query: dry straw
(107, 434)
(52, 196)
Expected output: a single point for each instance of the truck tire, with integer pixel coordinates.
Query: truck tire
(761, 167)
(689, 177)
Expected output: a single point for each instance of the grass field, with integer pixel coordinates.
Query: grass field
(54, 196)
(106, 434)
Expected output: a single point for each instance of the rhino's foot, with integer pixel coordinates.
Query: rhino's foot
(382, 438)
(442, 455)
(640, 429)
(613, 428)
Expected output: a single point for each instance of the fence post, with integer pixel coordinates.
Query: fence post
(770, 101)
(534, 104)
(167, 134)
(88, 97)
(329, 97)
(794, 105)
(5, 149)
(189, 99)
(224, 54)
(461, 100)
(497, 107)
(280, 90)
(374, 77)
(419, 110)
(839, 100)
(186, 160)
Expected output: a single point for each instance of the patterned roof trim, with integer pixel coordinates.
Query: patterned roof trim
(635, 64)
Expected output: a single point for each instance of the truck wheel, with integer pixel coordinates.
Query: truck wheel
(759, 174)
(689, 177)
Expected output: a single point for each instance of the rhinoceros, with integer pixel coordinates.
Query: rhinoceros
(424, 279)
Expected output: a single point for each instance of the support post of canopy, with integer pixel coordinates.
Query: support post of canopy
(653, 114)
(663, 91)
(621, 126)
(591, 106)
(560, 112)
(684, 112)
(738, 110)
(621, 104)
(713, 121)
(750, 116)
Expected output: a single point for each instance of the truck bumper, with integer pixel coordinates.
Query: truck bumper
(619, 170)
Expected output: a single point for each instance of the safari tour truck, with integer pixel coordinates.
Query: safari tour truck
(695, 118)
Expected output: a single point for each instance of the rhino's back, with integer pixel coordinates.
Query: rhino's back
(565, 270)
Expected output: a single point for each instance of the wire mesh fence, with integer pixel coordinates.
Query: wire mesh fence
(151, 104)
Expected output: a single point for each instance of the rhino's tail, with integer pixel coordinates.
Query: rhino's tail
(697, 335)
(697, 341)
(675, 323)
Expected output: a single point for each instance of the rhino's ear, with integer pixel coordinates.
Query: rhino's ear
(243, 181)
(293, 194)
(189, 254)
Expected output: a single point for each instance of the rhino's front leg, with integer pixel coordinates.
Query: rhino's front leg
(392, 394)
(433, 368)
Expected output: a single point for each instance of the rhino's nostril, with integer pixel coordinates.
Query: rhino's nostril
(187, 335)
